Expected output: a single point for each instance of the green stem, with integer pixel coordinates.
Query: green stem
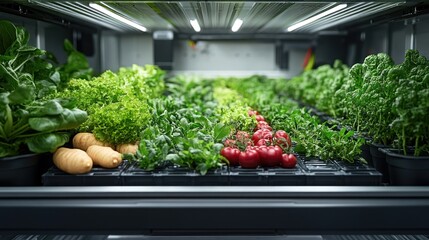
(22, 64)
(404, 143)
(31, 135)
(9, 122)
(357, 121)
(417, 150)
(38, 133)
(2, 133)
(20, 130)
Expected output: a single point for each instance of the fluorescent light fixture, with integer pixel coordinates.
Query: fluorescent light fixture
(195, 25)
(117, 17)
(318, 16)
(237, 25)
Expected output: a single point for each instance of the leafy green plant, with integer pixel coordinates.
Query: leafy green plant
(312, 138)
(180, 133)
(120, 122)
(369, 104)
(148, 79)
(233, 110)
(77, 65)
(411, 105)
(27, 116)
(117, 103)
(318, 87)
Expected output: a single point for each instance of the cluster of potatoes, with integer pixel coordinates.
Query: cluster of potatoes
(88, 151)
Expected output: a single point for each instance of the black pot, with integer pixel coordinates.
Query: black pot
(407, 170)
(366, 154)
(379, 160)
(20, 170)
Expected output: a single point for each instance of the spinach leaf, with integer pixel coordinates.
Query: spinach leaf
(8, 35)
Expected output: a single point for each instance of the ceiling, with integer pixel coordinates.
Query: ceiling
(217, 16)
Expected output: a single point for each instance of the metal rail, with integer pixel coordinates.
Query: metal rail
(215, 210)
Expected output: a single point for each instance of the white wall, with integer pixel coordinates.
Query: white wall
(224, 55)
(110, 52)
(135, 49)
(124, 50)
(232, 58)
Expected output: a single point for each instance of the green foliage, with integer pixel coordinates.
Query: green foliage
(149, 79)
(184, 129)
(318, 87)
(232, 109)
(120, 122)
(312, 138)
(27, 115)
(387, 102)
(97, 92)
(117, 103)
(411, 105)
(77, 65)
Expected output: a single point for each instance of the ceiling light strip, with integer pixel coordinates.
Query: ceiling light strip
(56, 8)
(316, 17)
(195, 25)
(89, 12)
(117, 17)
(364, 13)
(237, 25)
(350, 11)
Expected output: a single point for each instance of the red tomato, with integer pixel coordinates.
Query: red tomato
(262, 134)
(288, 160)
(249, 159)
(242, 136)
(283, 139)
(263, 142)
(230, 143)
(232, 154)
(263, 122)
(270, 156)
(259, 118)
(250, 147)
(252, 112)
(263, 126)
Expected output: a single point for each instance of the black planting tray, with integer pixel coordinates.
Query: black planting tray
(247, 177)
(135, 176)
(96, 177)
(308, 171)
(322, 173)
(286, 176)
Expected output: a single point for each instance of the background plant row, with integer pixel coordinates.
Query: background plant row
(384, 101)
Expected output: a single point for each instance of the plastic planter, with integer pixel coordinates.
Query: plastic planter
(96, 177)
(247, 177)
(20, 170)
(379, 160)
(366, 154)
(286, 176)
(407, 170)
(359, 174)
(322, 173)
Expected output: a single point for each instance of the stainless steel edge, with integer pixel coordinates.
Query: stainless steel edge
(214, 192)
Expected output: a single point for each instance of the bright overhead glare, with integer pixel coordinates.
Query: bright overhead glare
(195, 25)
(237, 25)
(318, 16)
(117, 17)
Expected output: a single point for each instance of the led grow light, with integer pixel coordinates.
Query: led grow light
(316, 17)
(237, 25)
(195, 25)
(117, 17)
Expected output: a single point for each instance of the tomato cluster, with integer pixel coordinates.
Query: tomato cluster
(263, 148)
